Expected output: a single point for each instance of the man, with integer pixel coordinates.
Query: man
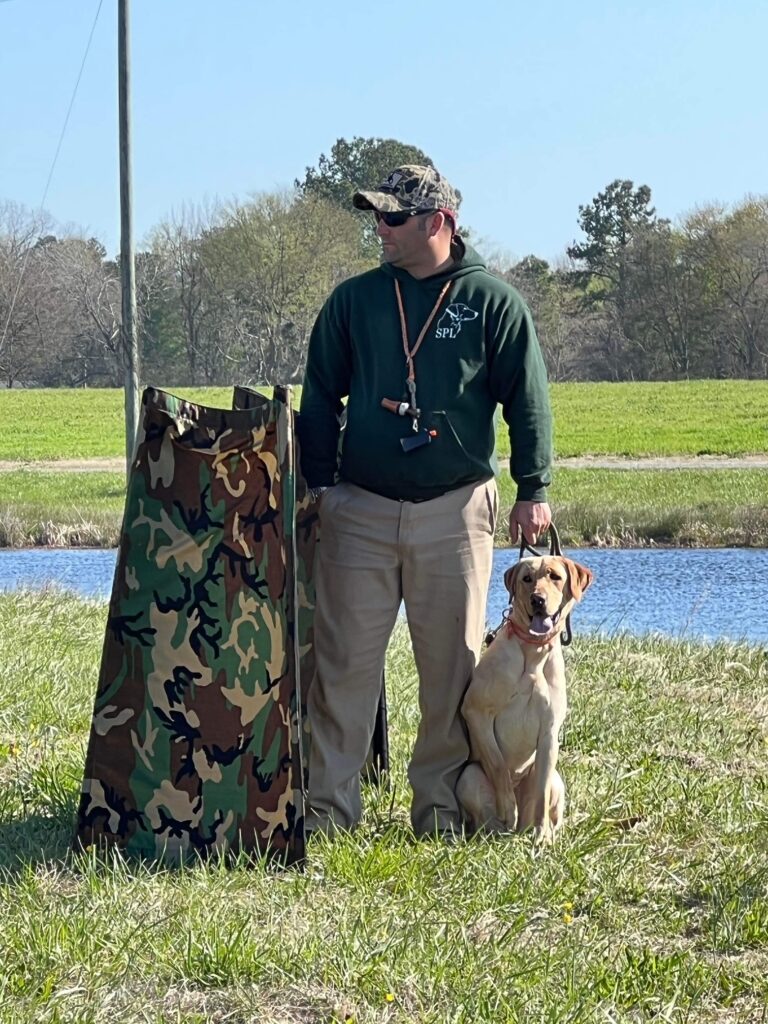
(424, 348)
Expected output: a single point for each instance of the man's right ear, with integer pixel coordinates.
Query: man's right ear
(439, 220)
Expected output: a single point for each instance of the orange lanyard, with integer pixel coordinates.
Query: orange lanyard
(411, 352)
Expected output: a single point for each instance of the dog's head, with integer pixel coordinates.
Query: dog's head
(543, 590)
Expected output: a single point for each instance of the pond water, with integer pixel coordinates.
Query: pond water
(693, 593)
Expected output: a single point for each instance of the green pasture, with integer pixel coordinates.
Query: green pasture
(706, 508)
(701, 417)
(637, 419)
(82, 423)
(649, 907)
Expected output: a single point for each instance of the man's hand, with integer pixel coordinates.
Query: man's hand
(532, 517)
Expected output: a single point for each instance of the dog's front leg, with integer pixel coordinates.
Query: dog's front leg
(536, 809)
(486, 750)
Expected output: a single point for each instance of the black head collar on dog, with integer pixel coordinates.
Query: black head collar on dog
(554, 549)
(566, 636)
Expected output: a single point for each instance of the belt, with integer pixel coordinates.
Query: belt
(403, 501)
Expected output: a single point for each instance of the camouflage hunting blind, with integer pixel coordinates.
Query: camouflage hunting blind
(196, 744)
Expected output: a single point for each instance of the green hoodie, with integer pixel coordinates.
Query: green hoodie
(480, 350)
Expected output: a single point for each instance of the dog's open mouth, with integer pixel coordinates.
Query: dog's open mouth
(543, 624)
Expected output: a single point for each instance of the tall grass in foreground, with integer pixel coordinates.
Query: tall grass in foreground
(650, 906)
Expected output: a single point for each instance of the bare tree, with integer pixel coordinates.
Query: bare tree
(89, 295)
(22, 291)
(275, 259)
(733, 250)
(666, 305)
(193, 312)
(556, 311)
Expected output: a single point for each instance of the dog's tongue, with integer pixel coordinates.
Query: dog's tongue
(540, 624)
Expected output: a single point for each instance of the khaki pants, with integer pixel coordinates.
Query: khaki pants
(436, 557)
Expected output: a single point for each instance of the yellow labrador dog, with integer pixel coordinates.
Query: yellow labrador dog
(515, 704)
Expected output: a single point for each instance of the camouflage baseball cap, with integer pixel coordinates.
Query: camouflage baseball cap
(410, 187)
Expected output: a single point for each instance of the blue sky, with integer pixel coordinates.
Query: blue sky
(529, 109)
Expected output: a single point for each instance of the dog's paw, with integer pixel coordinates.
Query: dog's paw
(543, 835)
(495, 827)
(507, 815)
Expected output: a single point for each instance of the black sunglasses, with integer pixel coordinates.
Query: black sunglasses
(396, 220)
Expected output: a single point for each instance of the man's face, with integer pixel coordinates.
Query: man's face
(407, 244)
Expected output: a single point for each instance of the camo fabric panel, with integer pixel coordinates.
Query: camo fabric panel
(306, 537)
(191, 749)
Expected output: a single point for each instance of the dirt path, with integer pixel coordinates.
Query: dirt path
(667, 462)
(117, 465)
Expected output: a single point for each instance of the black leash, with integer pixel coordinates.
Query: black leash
(554, 543)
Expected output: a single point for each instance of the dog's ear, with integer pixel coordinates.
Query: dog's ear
(579, 578)
(510, 577)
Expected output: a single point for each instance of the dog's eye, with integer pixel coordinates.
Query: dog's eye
(526, 579)
(555, 577)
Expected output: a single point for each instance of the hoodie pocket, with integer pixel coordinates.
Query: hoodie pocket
(459, 464)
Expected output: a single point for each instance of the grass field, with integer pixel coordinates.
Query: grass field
(650, 906)
(702, 417)
(60, 423)
(637, 419)
(705, 508)
(684, 507)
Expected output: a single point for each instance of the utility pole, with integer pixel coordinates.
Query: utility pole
(128, 333)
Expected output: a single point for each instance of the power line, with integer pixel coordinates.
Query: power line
(53, 165)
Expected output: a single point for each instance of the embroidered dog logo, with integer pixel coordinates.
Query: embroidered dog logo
(449, 324)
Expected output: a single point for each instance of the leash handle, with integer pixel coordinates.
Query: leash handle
(554, 549)
(554, 543)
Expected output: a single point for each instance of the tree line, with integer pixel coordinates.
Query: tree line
(229, 293)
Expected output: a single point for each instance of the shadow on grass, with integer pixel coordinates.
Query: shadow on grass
(34, 840)
(38, 840)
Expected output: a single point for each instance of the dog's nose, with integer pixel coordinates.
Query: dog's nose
(537, 601)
